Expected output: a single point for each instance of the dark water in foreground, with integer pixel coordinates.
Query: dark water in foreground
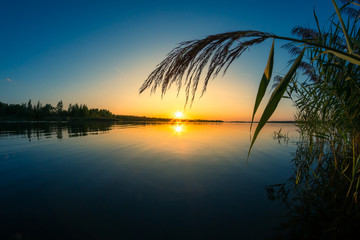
(105, 181)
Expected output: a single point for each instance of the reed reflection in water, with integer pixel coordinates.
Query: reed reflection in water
(113, 181)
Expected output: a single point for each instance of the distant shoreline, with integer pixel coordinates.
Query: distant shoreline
(118, 118)
(122, 119)
(28, 112)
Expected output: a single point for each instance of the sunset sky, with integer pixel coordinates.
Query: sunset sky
(99, 52)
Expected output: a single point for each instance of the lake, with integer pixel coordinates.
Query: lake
(141, 181)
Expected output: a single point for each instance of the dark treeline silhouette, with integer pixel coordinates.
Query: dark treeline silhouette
(29, 111)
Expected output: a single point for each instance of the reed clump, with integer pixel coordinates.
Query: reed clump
(328, 102)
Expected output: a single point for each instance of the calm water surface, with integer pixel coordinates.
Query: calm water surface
(165, 181)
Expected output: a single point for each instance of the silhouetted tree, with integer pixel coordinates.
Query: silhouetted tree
(59, 107)
(29, 106)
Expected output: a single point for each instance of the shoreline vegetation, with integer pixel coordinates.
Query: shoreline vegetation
(75, 112)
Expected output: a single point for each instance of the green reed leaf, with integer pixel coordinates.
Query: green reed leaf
(317, 23)
(276, 97)
(352, 59)
(264, 82)
(348, 40)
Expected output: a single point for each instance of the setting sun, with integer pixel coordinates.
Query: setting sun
(179, 114)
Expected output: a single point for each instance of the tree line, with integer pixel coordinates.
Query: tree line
(39, 111)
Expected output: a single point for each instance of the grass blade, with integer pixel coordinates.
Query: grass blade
(264, 82)
(317, 23)
(276, 97)
(351, 59)
(348, 40)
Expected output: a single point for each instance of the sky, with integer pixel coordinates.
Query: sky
(99, 53)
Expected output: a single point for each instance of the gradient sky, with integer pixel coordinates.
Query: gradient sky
(99, 52)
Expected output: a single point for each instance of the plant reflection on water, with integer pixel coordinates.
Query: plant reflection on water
(39, 130)
(316, 196)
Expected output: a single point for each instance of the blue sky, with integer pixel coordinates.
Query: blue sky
(100, 52)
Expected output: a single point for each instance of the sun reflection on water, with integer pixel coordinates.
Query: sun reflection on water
(178, 128)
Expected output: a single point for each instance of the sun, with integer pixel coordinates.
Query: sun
(179, 114)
